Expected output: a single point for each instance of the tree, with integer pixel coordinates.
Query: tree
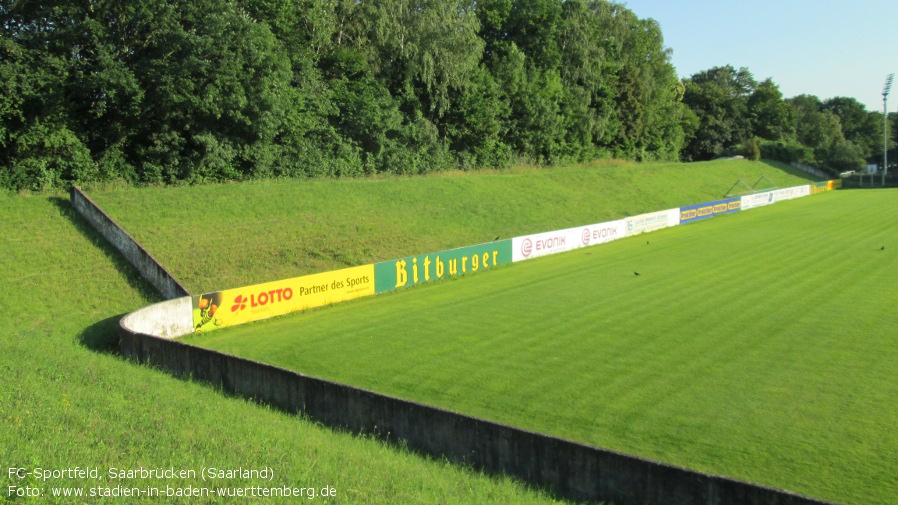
(649, 99)
(821, 130)
(862, 128)
(536, 126)
(424, 48)
(719, 98)
(38, 148)
(533, 26)
(771, 117)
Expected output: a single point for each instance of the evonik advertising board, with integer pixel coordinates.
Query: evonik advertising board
(543, 244)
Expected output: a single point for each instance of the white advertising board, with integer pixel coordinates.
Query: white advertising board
(552, 242)
(652, 221)
(790, 193)
(776, 195)
(757, 200)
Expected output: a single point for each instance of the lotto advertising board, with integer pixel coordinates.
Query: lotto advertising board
(701, 211)
(553, 242)
(261, 301)
(413, 270)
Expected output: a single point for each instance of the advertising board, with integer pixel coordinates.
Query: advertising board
(701, 211)
(757, 200)
(543, 244)
(413, 270)
(790, 193)
(261, 301)
(652, 221)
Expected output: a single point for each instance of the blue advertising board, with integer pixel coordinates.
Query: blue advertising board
(701, 211)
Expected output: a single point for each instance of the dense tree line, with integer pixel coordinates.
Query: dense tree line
(168, 91)
(730, 112)
(177, 91)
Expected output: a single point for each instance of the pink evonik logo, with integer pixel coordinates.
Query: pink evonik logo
(526, 247)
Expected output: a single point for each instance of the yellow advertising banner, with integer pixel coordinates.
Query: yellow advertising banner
(261, 301)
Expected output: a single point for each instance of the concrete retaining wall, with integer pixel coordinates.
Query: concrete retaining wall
(146, 264)
(811, 170)
(169, 319)
(570, 469)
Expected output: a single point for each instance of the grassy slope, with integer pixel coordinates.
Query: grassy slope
(65, 402)
(217, 237)
(759, 345)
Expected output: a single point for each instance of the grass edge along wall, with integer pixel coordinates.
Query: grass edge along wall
(262, 301)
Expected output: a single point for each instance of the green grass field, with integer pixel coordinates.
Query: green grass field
(232, 235)
(760, 345)
(67, 401)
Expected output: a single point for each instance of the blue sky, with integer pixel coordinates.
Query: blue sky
(821, 48)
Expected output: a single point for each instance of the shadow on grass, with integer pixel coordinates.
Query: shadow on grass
(127, 270)
(103, 335)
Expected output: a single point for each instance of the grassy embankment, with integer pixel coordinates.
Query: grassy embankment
(225, 236)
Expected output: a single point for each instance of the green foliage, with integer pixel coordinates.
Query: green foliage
(476, 127)
(772, 117)
(819, 128)
(862, 128)
(719, 99)
(844, 155)
(727, 109)
(171, 92)
(786, 151)
(751, 149)
(44, 156)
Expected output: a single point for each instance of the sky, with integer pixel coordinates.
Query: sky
(814, 47)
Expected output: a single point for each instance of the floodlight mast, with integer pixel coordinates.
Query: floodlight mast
(885, 127)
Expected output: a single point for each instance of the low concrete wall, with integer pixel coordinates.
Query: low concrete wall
(811, 170)
(568, 468)
(146, 264)
(168, 319)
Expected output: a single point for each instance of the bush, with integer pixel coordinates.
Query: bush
(786, 151)
(844, 155)
(47, 156)
(751, 149)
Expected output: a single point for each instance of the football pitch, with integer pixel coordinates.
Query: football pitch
(760, 345)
